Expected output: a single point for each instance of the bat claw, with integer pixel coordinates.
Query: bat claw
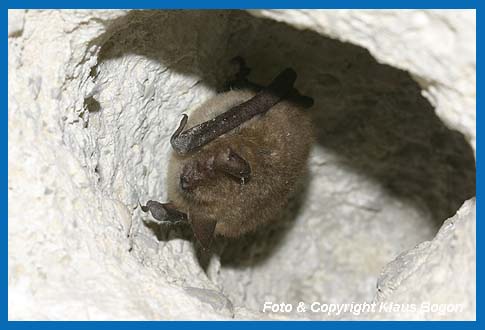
(143, 208)
(178, 143)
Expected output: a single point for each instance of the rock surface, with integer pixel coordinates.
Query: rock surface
(94, 96)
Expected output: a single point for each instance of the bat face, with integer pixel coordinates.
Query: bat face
(235, 166)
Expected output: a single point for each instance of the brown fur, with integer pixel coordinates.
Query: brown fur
(275, 144)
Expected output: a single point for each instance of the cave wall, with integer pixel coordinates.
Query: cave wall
(94, 96)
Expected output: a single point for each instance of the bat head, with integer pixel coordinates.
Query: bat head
(224, 170)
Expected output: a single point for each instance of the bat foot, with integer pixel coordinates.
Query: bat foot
(164, 213)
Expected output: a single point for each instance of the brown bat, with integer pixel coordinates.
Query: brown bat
(237, 164)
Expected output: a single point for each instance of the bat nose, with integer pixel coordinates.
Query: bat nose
(185, 183)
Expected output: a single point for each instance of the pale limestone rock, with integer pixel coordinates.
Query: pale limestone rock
(438, 272)
(94, 96)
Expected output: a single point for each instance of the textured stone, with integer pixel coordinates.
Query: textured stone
(94, 96)
(438, 272)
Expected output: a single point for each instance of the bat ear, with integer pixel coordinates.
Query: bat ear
(203, 230)
(231, 163)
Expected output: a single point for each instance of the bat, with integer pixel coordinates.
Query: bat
(237, 159)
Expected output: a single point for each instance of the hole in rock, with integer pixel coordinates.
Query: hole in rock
(385, 171)
(91, 104)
